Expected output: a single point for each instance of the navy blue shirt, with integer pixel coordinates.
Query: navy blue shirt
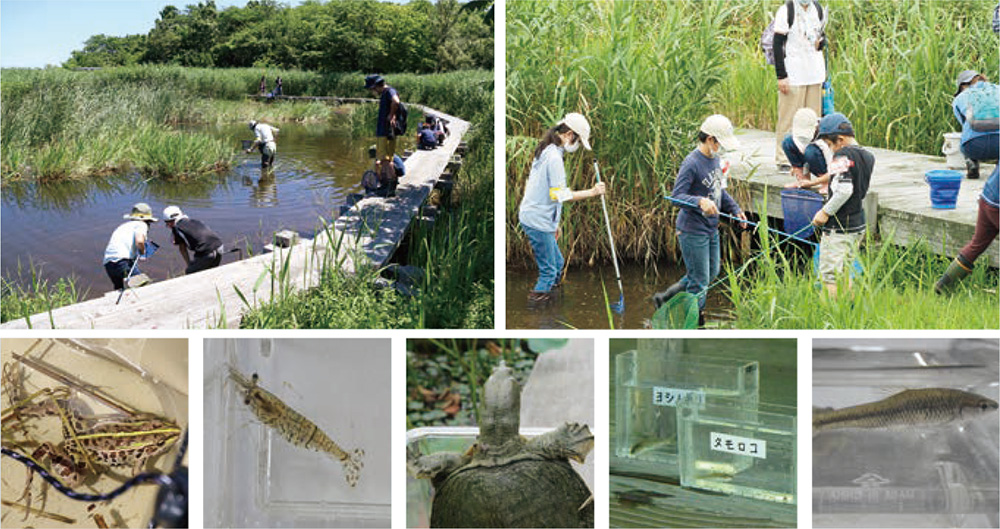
(700, 177)
(428, 138)
(384, 106)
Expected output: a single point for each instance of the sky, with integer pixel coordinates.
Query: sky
(35, 33)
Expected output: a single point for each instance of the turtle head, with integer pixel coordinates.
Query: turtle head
(500, 416)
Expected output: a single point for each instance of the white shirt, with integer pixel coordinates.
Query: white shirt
(122, 243)
(265, 133)
(803, 62)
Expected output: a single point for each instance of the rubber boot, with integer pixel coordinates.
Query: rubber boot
(662, 297)
(701, 319)
(957, 270)
(972, 169)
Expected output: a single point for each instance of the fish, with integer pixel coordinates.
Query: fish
(913, 407)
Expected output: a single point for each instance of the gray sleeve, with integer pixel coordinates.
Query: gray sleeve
(842, 191)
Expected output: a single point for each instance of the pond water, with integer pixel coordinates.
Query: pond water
(64, 227)
(580, 303)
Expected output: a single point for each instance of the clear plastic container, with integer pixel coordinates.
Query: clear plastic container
(739, 451)
(647, 394)
(919, 476)
(431, 440)
(144, 376)
(256, 478)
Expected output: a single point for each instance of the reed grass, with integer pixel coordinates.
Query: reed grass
(28, 293)
(895, 291)
(893, 66)
(58, 124)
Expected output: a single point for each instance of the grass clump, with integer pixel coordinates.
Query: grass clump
(22, 297)
(895, 291)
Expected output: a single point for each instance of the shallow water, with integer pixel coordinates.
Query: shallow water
(64, 227)
(580, 302)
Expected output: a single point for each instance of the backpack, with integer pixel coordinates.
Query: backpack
(767, 37)
(982, 106)
(401, 114)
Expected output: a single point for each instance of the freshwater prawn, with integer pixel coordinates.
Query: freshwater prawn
(294, 427)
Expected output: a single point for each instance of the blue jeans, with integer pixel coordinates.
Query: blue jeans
(982, 148)
(547, 256)
(701, 262)
(812, 157)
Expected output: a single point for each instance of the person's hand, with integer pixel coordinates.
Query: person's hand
(558, 232)
(742, 216)
(821, 218)
(708, 207)
(783, 86)
(249, 150)
(599, 189)
(793, 185)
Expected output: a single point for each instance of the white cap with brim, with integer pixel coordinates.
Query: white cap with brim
(141, 211)
(719, 127)
(578, 124)
(804, 125)
(965, 77)
(173, 213)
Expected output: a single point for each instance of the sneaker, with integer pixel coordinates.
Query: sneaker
(784, 168)
(538, 297)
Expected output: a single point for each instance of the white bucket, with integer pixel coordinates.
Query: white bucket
(952, 149)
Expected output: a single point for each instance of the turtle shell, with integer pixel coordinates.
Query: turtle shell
(524, 493)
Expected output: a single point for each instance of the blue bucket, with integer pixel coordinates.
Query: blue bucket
(945, 184)
(799, 206)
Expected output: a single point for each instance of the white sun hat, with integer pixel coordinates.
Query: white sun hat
(578, 124)
(804, 125)
(719, 127)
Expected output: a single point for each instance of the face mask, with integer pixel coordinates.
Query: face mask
(804, 3)
(573, 146)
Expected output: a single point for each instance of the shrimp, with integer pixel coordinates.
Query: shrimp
(294, 427)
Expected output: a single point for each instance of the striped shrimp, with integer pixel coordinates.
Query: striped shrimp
(294, 427)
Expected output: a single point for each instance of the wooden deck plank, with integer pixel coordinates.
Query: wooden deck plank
(366, 235)
(904, 207)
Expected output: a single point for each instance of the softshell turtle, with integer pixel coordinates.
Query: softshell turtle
(505, 480)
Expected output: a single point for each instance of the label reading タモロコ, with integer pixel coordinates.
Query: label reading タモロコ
(743, 446)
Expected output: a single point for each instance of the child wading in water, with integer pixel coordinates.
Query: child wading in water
(544, 194)
(700, 191)
(842, 217)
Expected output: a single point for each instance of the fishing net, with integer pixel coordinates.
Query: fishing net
(679, 312)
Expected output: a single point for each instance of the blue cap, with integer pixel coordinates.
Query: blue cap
(835, 123)
(373, 80)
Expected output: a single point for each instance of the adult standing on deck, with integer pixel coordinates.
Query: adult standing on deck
(190, 235)
(799, 39)
(544, 194)
(265, 141)
(263, 84)
(388, 111)
(278, 90)
(128, 243)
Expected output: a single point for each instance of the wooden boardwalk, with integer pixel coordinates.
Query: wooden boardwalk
(897, 187)
(365, 235)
